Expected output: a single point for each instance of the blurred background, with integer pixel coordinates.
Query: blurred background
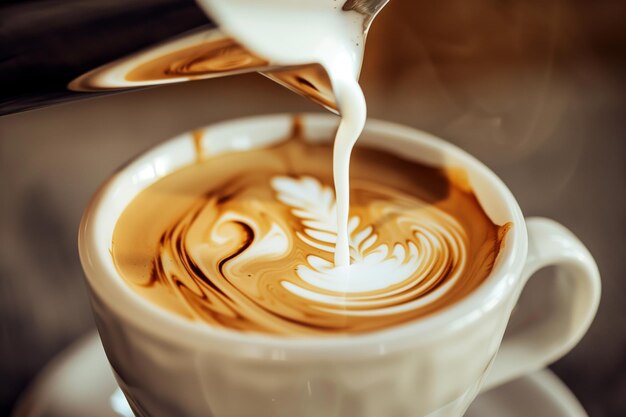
(535, 89)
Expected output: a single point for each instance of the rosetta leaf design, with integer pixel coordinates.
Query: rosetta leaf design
(373, 266)
(314, 204)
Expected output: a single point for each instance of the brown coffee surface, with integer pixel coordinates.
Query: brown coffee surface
(244, 241)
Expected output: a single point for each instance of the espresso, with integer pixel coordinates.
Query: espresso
(246, 241)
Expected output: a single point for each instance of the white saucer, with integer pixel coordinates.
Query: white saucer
(79, 383)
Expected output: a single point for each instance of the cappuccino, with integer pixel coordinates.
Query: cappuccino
(246, 241)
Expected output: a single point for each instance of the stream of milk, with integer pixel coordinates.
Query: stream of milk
(297, 32)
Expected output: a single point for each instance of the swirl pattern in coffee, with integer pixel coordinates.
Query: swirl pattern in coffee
(245, 241)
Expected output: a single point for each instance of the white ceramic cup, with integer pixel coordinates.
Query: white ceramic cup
(168, 366)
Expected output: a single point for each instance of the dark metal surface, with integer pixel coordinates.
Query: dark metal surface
(45, 44)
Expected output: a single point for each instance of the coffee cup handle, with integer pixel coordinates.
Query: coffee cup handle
(536, 343)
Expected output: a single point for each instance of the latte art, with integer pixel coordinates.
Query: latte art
(246, 241)
(382, 272)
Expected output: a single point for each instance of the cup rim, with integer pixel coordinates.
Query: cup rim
(107, 285)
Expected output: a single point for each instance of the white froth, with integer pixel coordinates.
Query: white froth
(376, 266)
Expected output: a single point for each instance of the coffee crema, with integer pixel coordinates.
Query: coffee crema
(245, 241)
